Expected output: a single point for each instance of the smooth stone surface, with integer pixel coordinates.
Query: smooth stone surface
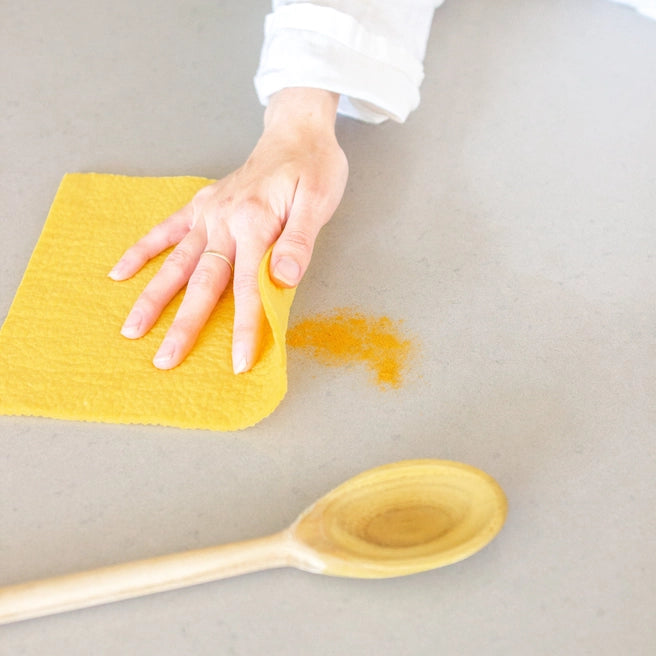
(509, 223)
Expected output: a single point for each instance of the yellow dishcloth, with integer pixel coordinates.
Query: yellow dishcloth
(61, 353)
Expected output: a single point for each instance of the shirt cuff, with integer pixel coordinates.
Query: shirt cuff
(313, 46)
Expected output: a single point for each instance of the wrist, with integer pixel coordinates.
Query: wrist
(304, 106)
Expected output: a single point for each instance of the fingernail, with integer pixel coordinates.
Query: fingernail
(132, 325)
(288, 271)
(164, 355)
(239, 361)
(117, 272)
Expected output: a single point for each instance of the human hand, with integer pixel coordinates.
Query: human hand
(287, 190)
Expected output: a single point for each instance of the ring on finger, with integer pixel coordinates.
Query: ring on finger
(221, 256)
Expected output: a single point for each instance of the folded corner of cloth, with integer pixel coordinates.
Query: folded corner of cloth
(61, 352)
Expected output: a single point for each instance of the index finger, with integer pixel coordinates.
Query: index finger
(249, 314)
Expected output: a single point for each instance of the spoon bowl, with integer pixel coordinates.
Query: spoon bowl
(402, 518)
(393, 520)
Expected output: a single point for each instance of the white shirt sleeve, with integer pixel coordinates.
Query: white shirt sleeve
(645, 7)
(369, 51)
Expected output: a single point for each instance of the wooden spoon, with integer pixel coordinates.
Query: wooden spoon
(393, 520)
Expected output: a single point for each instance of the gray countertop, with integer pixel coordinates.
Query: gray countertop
(510, 224)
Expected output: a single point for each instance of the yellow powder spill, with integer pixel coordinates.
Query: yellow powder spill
(347, 336)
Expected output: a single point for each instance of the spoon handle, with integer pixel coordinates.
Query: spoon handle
(142, 577)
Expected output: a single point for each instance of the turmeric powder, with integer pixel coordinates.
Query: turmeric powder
(348, 336)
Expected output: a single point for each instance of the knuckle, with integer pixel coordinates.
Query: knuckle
(245, 284)
(210, 203)
(315, 187)
(299, 240)
(202, 196)
(252, 216)
(179, 258)
(203, 277)
(217, 205)
(319, 188)
(251, 207)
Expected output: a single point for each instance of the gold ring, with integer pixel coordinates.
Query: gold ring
(221, 256)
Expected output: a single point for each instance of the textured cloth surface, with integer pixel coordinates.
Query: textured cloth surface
(61, 353)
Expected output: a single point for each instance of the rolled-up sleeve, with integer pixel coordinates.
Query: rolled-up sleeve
(370, 52)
